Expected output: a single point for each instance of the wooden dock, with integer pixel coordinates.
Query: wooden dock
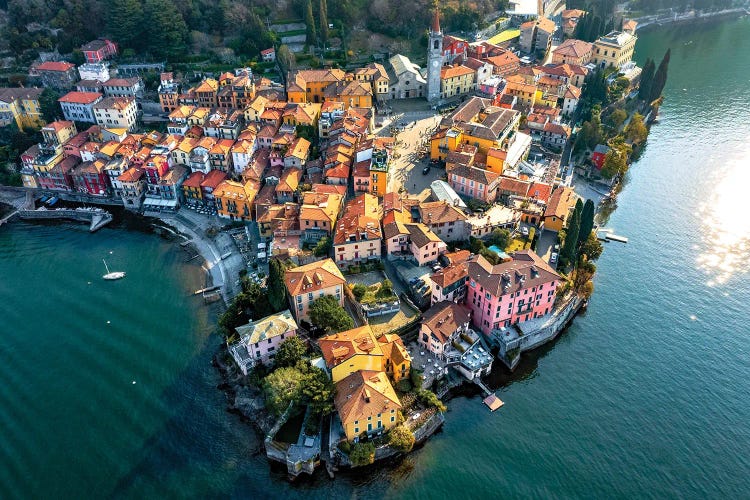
(493, 402)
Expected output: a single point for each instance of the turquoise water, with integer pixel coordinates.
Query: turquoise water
(646, 394)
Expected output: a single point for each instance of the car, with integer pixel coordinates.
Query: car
(413, 281)
(553, 258)
(525, 231)
(426, 170)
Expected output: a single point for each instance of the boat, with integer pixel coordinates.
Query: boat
(116, 275)
(52, 201)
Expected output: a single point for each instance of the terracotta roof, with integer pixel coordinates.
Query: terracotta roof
(435, 212)
(479, 175)
(194, 180)
(289, 181)
(339, 347)
(363, 394)
(540, 191)
(444, 318)
(80, 97)
(573, 48)
(119, 103)
(513, 186)
(132, 174)
(121, 82)
(455, 72)
(557, 129)
(457, 257)
(449, 275)
(313, 277)
(213, 179)
(525, 269)
(570, 13)
(561, 203)
(55, 66)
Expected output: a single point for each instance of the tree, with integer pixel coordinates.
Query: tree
(582, 275)
(326, 312)
(587, 223)
(282, 387)
(429, 398)
(386, 289)
(359, 290)
(647, 77)
(323, 21)
(616, 118)
(500, 238)
(48, 105)
(660, 77)
(362, 454)
(323, 248)
(568, 252)
(636, 131)
(614, 163)
(401, 438)
(166, 30)
(592, 248)
(275, 288)
(285, 58)
(290, 352)
(312, 38)
(317, 391)
(125, 23)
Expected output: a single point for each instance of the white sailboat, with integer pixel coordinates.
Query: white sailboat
(112, 275)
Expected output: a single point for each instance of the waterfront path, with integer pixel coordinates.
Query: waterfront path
(224, 272)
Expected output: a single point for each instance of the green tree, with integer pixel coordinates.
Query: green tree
(647, 77)
(125, 23)
(587, 223)
(166, 30)
(362, 454)
(359, 290)
(386, 289)
(616, 118)
(48, 105)
(285, 58)
(323, 14)
(660, 77)
(614, 163)
(291, 351)
(500, 238)
(401, 438)
(276, 288)
(583, 274)
(429, 398)
(312, 38)
(323, 248)
(568, 252)
(282, 387)
(636, 131)
(592, 248)
(317, 391)
(325, 312)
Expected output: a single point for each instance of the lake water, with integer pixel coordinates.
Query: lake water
(646, 394)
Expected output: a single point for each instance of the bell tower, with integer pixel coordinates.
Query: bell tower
(434, 58)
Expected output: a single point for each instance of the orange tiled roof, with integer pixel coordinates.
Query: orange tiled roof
(313, 277)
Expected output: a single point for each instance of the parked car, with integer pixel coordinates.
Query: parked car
(525, 231)
(553, 258)
(426, 170)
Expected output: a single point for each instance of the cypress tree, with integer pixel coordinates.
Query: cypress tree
(571, 236)
(312, 38)
(587, 223)
(660, 77)
(647, 78)
(276, 295)
(323, 21)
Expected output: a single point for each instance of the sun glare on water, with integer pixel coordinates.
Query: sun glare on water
(726, 224)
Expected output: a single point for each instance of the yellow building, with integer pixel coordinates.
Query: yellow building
(456, 80)
(304, 114)
(614, 49)
(353, 94)
(305, 284)
(308, 85)
(478, 123)
(561, 204)
(234, 200)
(358, 349)
(366, 404)
(21, 106)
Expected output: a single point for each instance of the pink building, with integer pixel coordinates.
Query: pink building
(260, 340)
(513, 291)
(474, 182)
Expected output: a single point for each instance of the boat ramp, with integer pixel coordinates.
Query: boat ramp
(96, 217)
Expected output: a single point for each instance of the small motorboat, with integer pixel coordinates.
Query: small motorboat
(116, 275)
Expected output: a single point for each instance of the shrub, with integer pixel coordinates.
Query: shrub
(403, 385)
(359, 290)
(401, 438)
(362, 454)
(429, 398)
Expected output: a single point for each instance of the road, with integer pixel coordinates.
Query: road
(544, 247)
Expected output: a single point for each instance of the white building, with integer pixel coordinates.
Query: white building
(116, 112)
(79, 106)
(94, 71)
(406, 79)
